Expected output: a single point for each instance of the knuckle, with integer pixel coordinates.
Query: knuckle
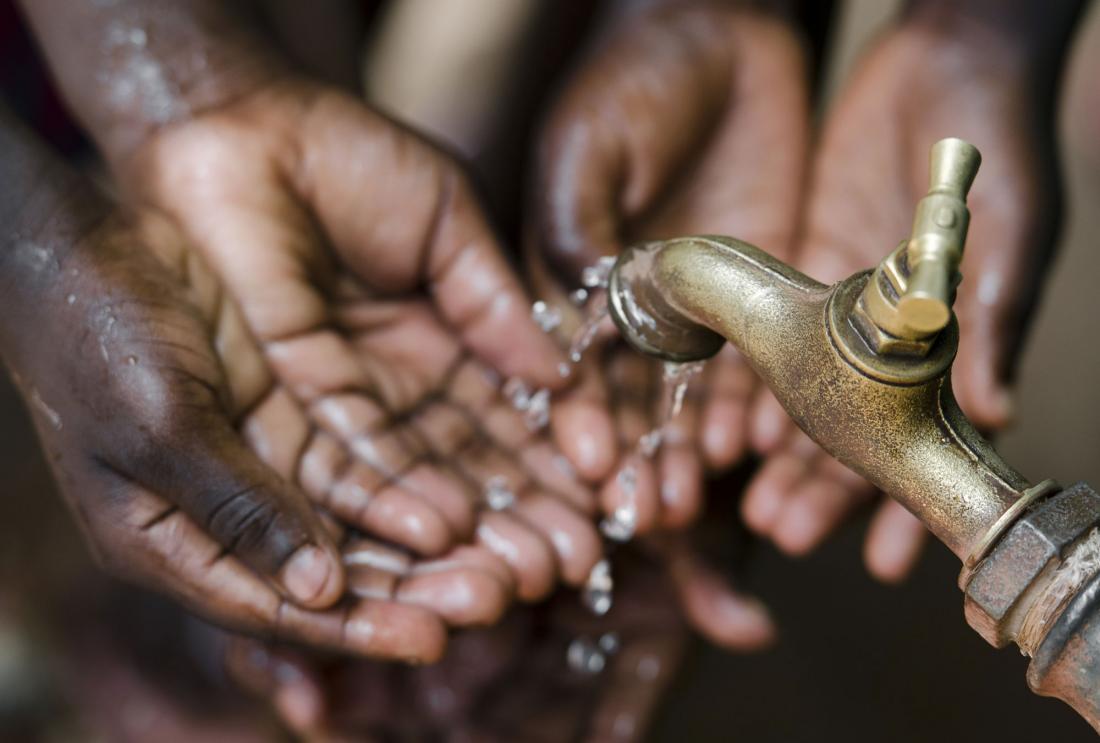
(249, 522)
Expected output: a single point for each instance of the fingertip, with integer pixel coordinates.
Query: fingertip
(729, 619)
(631, 498)
(993, 408)
(313, 576)
(300, 705)
(768, 423)
(893, 544)
(585, 433)
(723, 433)
(768, 490)
(681, 487)
(464, 597)
(812, 511)
(382, 629)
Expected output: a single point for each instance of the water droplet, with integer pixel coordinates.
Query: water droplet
(131, 360)
(71, 299)
(537, 415)
(498, 495)
(621, 524)
(628, 479)
(584, 657)
(609, 642)
(597, 589)
(546, 317)
(651, 442)
(518, 393)
(596, 275)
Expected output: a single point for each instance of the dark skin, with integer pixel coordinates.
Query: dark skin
(135, 407)
(650, 142)
(946, 69)
(374, 290)
(510, 682)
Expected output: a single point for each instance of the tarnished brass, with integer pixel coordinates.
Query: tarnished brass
(892, 419)
(864, 368)
(908, 299)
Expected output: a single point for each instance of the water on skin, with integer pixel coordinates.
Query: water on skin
(585, 655)
(597, 592)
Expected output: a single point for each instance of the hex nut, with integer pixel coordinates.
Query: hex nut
(1036, 542)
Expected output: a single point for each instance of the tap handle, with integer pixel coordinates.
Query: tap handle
(935, 246)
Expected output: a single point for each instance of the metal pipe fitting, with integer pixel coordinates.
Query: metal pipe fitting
(863, 367)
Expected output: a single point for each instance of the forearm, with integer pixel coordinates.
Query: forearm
(131, 66)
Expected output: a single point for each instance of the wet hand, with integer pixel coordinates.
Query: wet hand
(138, 368)
(692, 120)
(918, 85)
(378, 295)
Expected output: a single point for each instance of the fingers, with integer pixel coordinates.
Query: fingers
(527, 553)
(722, 614)
(800, 495)
(573, 537)
(1003, 268)
(281, 677)
(582, 425)
(769, 423)
(728, 390)
(668, 76)
(679, 460)
(169, 552)
(202, 466)
(631, 498)
(893, 543)
(482, 299)
(402, 216)
(460, 587)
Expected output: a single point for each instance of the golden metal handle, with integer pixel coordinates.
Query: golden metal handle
(935, 245)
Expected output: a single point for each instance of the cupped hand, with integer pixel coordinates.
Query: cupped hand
(138, 368)
(691, 120)
(551, 672)
(379, 297)
(918, 85)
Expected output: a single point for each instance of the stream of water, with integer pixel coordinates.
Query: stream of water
(585, 655)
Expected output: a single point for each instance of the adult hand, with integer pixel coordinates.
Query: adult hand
(922, 82)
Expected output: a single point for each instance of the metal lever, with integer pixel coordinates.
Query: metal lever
(935, 245)
(907, 301)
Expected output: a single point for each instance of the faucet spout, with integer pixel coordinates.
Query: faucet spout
(864, 368)
(893, 420)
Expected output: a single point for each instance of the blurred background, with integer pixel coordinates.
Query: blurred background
(857, 661)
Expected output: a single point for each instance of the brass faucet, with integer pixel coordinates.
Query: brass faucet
(864, 368)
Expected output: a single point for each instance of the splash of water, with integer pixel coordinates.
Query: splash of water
(589, 657)
(597, 589)
(546, 317)
(498, 494)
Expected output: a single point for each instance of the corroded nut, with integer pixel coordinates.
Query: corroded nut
(1020, 562)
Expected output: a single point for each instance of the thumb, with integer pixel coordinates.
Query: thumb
(204, 468)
